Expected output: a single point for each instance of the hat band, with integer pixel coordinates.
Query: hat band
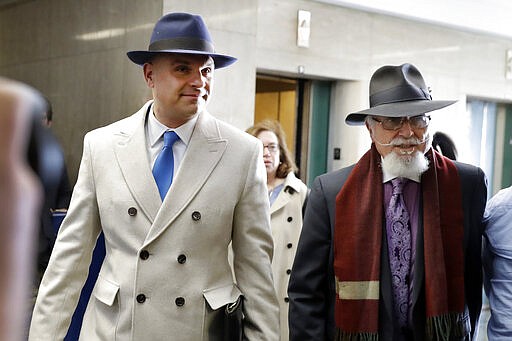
(181, 44)
(399, 94)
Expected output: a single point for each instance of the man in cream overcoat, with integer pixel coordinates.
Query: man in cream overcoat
(166, 274)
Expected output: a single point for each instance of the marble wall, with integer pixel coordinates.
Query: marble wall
(75, 53)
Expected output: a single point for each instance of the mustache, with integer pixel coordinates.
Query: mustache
(399, 141)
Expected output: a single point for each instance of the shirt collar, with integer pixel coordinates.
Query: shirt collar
(156, 129)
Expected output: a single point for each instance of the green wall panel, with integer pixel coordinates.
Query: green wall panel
(506, 179)
(319, 129)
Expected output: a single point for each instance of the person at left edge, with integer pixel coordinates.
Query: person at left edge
(21, 196)
(166, 273)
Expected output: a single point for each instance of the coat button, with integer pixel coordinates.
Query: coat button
(196, 216)
(286, 299)
(132, 211)
(182, 259)
(289, 219)
(289, 245)
(144, 254)
(180, 301)
(288, 271)
(141, 298)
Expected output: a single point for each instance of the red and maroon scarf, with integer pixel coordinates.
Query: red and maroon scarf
(357, 249)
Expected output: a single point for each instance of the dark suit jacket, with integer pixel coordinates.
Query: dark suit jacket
(312, 289)
(46, 158)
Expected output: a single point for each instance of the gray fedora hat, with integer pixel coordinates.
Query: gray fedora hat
(181, 33)
(397, 91)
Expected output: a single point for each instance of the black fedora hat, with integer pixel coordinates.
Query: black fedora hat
(397, 91)
(181, 33)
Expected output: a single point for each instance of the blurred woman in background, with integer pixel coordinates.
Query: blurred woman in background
(287, 195)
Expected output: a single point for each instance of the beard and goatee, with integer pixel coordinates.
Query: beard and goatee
(407, 165)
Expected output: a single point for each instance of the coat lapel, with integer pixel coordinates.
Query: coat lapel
(290, 186)
(204, 151)
(282, 199)
(130, 150)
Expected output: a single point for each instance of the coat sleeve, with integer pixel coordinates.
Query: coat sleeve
(474, 197)
(252, 254)
(498, 264)
(311, 289)
(68, 267)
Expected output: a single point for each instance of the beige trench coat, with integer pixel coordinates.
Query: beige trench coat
(286, 222)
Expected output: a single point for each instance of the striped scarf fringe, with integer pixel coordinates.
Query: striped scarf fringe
(345, 336)
(445, 327)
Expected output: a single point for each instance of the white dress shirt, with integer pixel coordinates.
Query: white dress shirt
(155, 142)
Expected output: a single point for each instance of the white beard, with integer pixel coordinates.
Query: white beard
(406, 166)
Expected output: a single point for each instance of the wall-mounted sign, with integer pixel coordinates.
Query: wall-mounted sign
(303, 28)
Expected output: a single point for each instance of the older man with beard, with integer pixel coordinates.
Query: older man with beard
(390, 247)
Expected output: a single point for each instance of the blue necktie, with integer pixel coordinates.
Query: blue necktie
(163, 169)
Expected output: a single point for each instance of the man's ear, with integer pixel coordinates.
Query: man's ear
(148, 74)
(368, 127)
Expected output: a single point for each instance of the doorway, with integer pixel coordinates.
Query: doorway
(302, 106)
(283, 99)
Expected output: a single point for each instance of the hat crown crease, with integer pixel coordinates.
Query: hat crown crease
(182, 43)
(181, 33)
(397, 91)
(400, 93)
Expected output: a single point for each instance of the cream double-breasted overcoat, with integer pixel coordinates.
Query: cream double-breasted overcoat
(166, 273)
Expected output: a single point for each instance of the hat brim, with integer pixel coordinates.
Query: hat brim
(397, 109)
(142, 57)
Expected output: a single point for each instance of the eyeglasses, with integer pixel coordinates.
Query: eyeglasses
(395, 123)
(272, 148)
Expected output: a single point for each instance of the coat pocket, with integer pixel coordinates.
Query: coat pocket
(222, 296)
(101, 318)
(223, 314)
(105, 291)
